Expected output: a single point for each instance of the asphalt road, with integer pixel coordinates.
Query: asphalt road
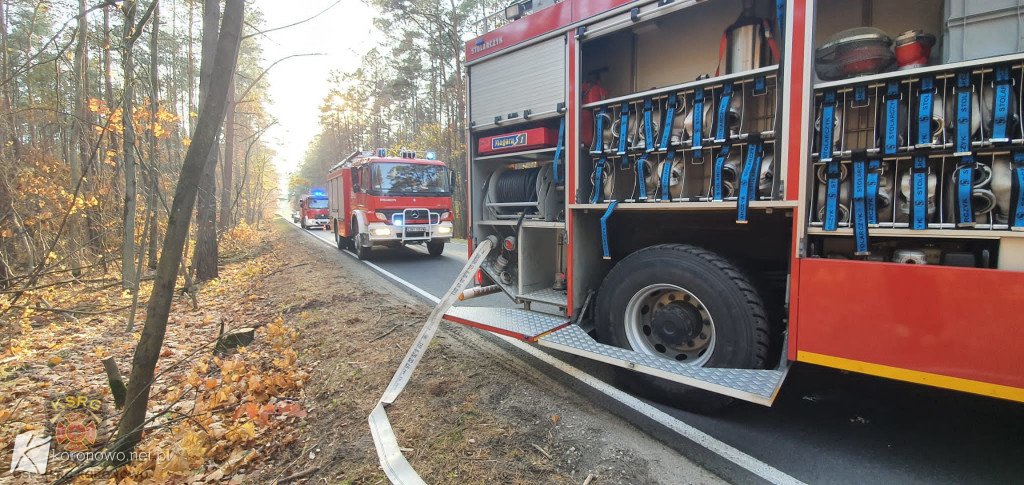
(826, 426)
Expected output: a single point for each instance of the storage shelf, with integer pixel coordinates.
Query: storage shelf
(518, 157)
(965, 233)
(767, 137)
(658, 205)
(526, 223)
(685, 86)
(919, 71)
(934, 151)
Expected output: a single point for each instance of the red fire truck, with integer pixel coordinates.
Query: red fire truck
(313, 210)
(381, 200)
(752, 184)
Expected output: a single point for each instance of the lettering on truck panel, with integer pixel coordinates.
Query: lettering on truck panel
(509, 141)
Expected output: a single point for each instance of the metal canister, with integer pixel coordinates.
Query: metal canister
(745, 45)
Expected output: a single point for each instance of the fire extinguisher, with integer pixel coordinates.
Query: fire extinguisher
(592, 93)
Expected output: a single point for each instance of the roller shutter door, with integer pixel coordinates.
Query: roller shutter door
(532, 79)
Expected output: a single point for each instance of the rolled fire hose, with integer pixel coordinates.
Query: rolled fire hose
(395, 466)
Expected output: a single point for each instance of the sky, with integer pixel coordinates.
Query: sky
(298, 85)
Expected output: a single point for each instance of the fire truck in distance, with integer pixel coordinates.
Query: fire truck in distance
(378, 200)
(313, 210)
(753, 184)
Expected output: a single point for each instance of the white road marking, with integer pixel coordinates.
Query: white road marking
(720, 448)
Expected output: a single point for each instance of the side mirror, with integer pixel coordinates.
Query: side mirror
(451, 180)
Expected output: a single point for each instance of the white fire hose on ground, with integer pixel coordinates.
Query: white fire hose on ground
(396, 467)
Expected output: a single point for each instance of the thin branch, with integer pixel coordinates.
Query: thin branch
(263, 32)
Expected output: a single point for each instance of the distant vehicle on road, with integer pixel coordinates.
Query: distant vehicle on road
(296, 216)
(313, 210)
(381, 200)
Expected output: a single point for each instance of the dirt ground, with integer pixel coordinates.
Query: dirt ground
(471, 414)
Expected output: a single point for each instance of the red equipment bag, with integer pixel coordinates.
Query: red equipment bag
(518, 141)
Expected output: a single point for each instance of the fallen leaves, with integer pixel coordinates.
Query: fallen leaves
(211, 413)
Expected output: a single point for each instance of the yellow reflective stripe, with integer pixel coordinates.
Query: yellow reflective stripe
(936, 380)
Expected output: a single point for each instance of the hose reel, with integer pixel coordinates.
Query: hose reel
(529, 191)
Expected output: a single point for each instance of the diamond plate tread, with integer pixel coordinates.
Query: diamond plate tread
(548, 296)
(760, 383)
(523, 324)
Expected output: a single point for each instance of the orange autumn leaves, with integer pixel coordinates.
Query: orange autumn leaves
(160, 124)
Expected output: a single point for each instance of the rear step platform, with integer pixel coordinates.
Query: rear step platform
(753, 385)
(512, 322)
(546, 296)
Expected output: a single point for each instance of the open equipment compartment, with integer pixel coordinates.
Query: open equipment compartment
(930, 146)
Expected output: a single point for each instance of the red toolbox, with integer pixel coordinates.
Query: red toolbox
(517, 141)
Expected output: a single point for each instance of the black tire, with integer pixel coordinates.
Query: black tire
(362, 252)
(435, 248)
(718, 288)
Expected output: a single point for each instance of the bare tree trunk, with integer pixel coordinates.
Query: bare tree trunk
(204, 141)
(78, 154)
(154, 162)
(229, 158)
(128, 147)
(205, 256)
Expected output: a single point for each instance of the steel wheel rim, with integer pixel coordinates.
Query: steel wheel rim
(667, 321)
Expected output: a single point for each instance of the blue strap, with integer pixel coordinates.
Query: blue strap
(1017, 192)
(964, 187)
(780, 14)
(623, 128)
(832, 174)
(1001, 105)
(919, 194)
(717, 177)
(760, 85)
(666, 175)
(748, 181)
(558, 152)
(860, 95)
(721, 134)
(640, 176)
(666, 131)
(827, 121)
(871, 190)
(860, 216)
(598, 175)
(698, 122)
(604, 228)
(963, 114)
(599, 146)
(892, 117)
(925, 100)
(649, 144)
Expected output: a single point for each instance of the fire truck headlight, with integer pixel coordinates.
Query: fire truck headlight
(381, 217)
(382, 231)
(444, 230)
(446, 215)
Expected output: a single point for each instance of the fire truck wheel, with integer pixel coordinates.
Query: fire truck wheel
(362, 252)
(435, 248)
(687, 304)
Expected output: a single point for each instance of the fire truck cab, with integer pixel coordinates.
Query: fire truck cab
(704, 192)
(378, 200)
(313, 210)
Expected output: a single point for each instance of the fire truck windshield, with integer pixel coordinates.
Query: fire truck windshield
(395, 178)
(312, 203)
